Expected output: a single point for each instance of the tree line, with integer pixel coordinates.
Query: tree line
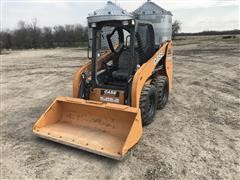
(30, 35)
(209, 33)
(176, 27)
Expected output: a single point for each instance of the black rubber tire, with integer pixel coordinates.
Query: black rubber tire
(81, 91)
(148, 104)
(161, 84)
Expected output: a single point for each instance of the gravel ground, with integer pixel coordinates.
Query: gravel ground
(197, 135)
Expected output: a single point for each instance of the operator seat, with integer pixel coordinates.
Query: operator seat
(122, 72)
(123, 65)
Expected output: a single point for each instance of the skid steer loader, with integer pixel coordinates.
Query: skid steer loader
(115, 94)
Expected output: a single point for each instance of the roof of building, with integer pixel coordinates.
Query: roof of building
(110, 11)
(149, 8)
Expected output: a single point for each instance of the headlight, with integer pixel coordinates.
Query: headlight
(93, 25)
(125, 23)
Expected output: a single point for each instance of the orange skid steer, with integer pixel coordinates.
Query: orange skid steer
(115, 94)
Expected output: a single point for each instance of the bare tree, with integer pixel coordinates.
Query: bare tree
(1, 47)
(21, 24)
(35, 33)
(20, 36)
(47, 38)
(176, 27)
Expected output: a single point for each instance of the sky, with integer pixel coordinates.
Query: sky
(194, 15)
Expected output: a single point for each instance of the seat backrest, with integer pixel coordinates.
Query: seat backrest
(125, 57)
(123, 60)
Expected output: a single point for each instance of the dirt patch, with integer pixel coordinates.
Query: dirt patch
(195, 137)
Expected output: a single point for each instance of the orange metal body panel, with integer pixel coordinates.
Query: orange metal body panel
(145, 72)
(169, 65)
(77, 78)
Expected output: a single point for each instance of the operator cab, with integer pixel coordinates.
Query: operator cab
(130, 46)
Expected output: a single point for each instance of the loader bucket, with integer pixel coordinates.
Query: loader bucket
(103, 128)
